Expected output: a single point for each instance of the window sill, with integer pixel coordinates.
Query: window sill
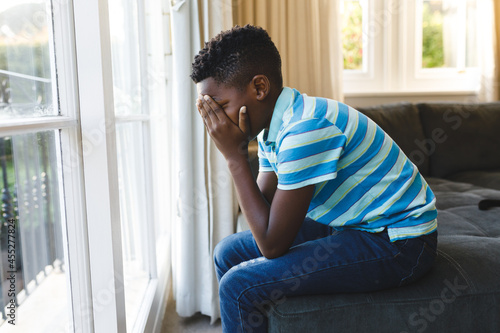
(411, 93)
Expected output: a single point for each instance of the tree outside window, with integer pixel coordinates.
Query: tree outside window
(352, 35)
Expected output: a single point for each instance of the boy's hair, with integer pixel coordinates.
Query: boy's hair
(235, 56)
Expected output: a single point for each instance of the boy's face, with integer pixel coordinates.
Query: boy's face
(230, 99)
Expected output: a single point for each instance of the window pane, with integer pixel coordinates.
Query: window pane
(26, 79)
(471, 26)
(432, 34)
(449, 33)
(130, 149)
(352, 35)
(133, 211)
(31, 220)
(125, 56)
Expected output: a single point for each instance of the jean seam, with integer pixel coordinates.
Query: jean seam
(414, 267)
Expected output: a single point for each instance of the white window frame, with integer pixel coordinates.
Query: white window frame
(87, 138)
(144, 120)
(75, 236)
(371, 76)
(395, 63)
(95, 83)
(460, 78)
(95, 90)
(107, 271)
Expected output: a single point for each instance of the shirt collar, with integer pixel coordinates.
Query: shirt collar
(284, 102)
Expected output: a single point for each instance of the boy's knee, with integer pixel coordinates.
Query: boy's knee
(234, 282)
(218, 255)
(228, 245)
(226, 285)
(221, 250)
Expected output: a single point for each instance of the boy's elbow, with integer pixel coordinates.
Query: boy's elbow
(274, 248)
(273, 253)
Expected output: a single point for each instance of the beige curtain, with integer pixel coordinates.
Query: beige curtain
(489, 44)
(496, 51)
(307, 34)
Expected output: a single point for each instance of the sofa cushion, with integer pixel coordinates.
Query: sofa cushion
(461, 137)
(488, 179)
(402, 122)
(461, 293)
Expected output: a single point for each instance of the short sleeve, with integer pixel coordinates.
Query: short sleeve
(308, 153)
(264, 164)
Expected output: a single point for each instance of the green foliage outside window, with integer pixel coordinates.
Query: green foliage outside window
(432, 36)
(352, 35)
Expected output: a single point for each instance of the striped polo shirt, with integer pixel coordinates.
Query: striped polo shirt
(362, 179)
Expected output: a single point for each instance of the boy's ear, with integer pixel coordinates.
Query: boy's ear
(261, 86)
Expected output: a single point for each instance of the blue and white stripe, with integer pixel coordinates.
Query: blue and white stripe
(362, 178)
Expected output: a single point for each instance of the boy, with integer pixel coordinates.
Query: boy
(337, 206)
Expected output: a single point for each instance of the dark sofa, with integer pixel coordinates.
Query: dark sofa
(457, 149)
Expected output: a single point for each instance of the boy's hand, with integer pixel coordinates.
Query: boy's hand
(230, 139)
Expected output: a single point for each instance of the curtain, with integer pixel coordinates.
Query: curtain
(207, 206)
(489, 44)
(308, 35)
(494, 90)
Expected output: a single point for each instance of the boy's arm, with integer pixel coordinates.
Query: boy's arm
(274, 226)
(267, 182)
(274, 223)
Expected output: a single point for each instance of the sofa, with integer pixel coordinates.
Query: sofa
(457, 149)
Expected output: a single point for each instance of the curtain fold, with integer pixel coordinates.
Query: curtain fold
(207, 204)
(495, 93)
(489, 55)
(308, 36)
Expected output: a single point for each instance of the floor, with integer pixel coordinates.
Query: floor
(198, 323)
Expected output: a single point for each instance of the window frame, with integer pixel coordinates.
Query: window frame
(69, 152)
(371, 76)
(397, 60)
(143, 119)
(86, 143)
(460, 78)
(95, 91)
(76, 236)
(97, 112)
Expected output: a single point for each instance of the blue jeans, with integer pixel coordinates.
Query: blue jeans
(319, 262)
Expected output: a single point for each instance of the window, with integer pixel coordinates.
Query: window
(32, 229)
(128, 51)
(35, 126)
(83, 133)
(353, 42)
(362, 38)
(448, 34)
(410, 46)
